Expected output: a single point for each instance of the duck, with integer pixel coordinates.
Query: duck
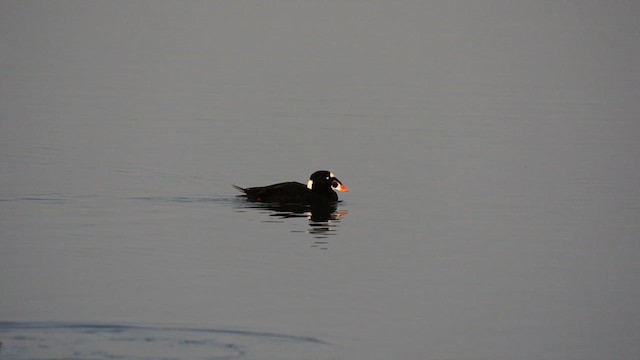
(320, 188)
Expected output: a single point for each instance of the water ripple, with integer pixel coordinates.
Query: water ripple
(61, 340)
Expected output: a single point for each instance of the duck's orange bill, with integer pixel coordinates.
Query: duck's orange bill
(342, 188)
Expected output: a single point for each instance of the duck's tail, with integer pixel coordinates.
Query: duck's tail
(243, 190)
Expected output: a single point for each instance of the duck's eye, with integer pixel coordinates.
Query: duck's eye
(327, 178)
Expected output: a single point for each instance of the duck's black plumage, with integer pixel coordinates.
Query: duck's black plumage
(320, 188)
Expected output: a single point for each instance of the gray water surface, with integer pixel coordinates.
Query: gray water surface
(491, 149)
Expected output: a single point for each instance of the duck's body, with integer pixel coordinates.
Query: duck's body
(286, 192)
(319, 189)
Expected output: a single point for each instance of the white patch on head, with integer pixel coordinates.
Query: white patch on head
(331, 174)
(310, 184)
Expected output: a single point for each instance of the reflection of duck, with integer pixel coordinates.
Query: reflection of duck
(319, 190)
(323, 216)
(315, 212)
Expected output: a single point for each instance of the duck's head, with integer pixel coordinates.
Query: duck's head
(324, 180)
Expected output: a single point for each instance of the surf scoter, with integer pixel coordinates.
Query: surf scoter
(319, 188)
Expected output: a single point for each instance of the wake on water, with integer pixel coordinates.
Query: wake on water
(59, 340)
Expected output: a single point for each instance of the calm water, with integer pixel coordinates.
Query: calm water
(491, 149)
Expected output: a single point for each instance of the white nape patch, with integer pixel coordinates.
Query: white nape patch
(331, 174)
(310, 184)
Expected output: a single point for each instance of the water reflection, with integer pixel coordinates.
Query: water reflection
(323, 217)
